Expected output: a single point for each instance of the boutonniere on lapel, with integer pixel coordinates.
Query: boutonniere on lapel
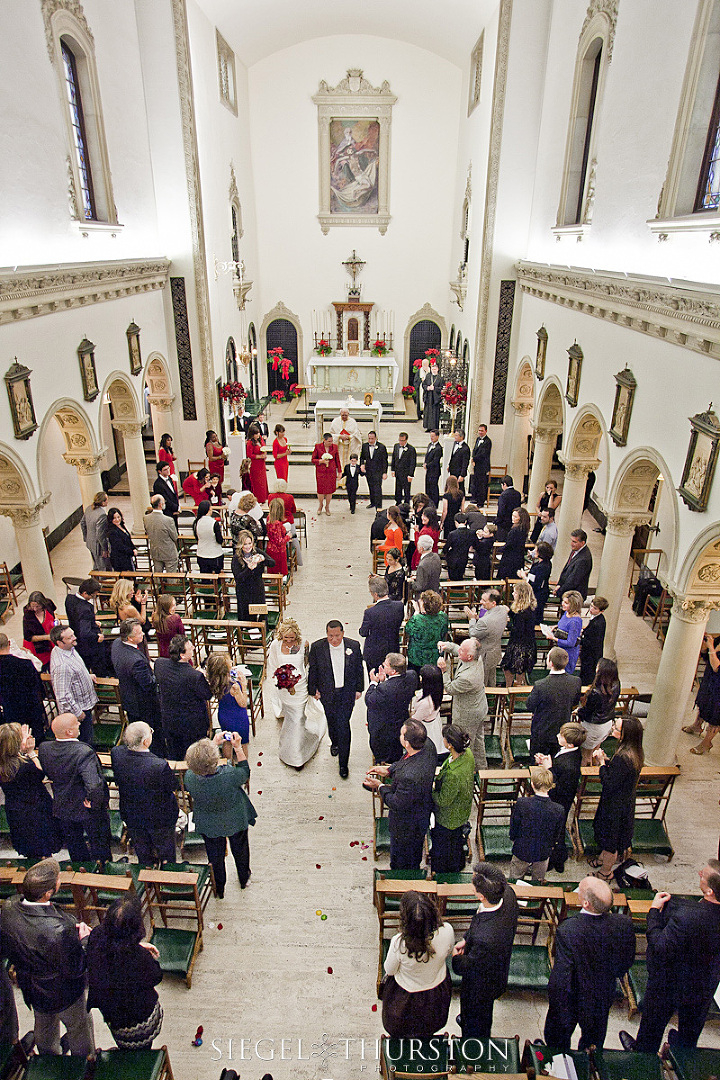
(348, 652)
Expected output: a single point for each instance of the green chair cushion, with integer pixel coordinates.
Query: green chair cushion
(496, 841)
(106, 736)
(697, 1064)
(627, 1065)
(493, 1055)
(4, 827)
(493, 750)
(129, 1064)
(529, 968)
(638, 979)
(392, 903)
(175, 947)
(537, 1055)
(415, 1056)
(455, 979)
(457, 908)
(116, 825)
(587, 835)
(55, 1067)
(520, 748)
(382, 834)
(650, 837)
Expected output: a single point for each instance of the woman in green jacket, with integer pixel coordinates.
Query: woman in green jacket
(452, 797)
(424, 629)
(221, 808)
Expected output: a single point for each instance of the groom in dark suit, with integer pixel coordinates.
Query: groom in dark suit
(335, 678)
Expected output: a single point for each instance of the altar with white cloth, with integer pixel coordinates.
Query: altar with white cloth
(334, 377)
(327, 410)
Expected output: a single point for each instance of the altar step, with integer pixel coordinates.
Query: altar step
(389, 416)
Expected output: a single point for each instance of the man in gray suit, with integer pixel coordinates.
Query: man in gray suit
(162, 537)
(427, 571)
(470, 707)
(489, 631)
(94, 529)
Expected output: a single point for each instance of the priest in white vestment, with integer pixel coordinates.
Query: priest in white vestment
(346, 435)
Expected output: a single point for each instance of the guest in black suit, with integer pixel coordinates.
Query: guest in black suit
(536, 825)
(457, 548)
(148, 805)
(592, 640)
(481, 466)
(21, 691)
(387, 700)
(575, 574)
(381, 624)
(408, 796)
(592, 951)
(538, 575)
(351, 475)
(432, 386)
(378, 527)
(91, 642)
(565, 767)
(184, 694)
(484, 544)
(165, 485)
(120, 542)
(335, 677)
(80, 794)
(482, 957)
(433, 467)
(551, 702)
(512, 558)
(459, 459)
(509, 500)
(374, 466)
(138, 689)
(402, 466)
(683, 962)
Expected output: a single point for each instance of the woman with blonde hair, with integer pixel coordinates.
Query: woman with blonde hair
(34, 832)
(166, 621)
(230, 690)
(130, 602)
(521, 650)
(568, 630)
(287, 663)
(246, 513)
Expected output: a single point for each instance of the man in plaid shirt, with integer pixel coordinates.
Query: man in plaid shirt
(72, 683)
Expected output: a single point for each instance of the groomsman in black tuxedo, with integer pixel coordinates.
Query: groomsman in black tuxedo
(459, 459)
(374, 465)
(433, 466)
(402, 466)
(481, 466)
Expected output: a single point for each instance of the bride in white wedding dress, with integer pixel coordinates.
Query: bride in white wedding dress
(304, 722)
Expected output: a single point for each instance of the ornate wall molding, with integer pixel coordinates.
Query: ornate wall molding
(26, 294)
(197, 229)
(625, 524)
(86, 465)
(682, 314)
(130, 429)
(26, 517)
(691, 611)
(578, 470)
(608, 8)
(49, 7)
(491, 189)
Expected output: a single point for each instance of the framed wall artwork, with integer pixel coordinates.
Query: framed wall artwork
(88, 373)
(575, 361)
(133, 336)
(622, 409)
(17, 380)
(354, 120)
(541, 352)
(701, 460)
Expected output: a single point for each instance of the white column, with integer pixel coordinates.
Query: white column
(571, 508)
(136, 470)
(613, 570)
(88, 471)
(31, 545)
(669, 705)
(516, 455)
(161, 414)
(545, 440)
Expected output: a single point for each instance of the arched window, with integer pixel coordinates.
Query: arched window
(423, 335)
(283, 333)
(231, 368)
(72, 51)
(458, 344)
(252, 346)
(466, 353)
(452, 336)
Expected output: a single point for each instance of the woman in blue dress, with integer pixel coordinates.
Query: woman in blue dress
(568, 630)
(230, 690)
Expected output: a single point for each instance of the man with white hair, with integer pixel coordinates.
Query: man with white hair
(592, 951)
(346, 435)
(148, 806)
(467, 688)
(427, 571)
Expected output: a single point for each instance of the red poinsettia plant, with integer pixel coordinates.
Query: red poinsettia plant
(408, 391)
(379, 348)
(323, 347)
(433, 356)
(294, 390)
(417, 363)
(234, 392)
(454, 394)
(287, 677)
(278, 395)
(276, 359)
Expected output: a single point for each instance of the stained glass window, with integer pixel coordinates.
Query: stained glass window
(235, 239)
(78, 129)
(708, 193)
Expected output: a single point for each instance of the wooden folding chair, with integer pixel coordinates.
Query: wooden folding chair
(178, 947)
(496, 792)
(389, 887)
(93, 893)
(109, 716)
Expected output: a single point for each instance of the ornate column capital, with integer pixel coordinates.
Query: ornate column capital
(625, 524)
(545, 434)
(521, 408)
(26, 517)
(688, 610)
(578, 470)
(163, 404)
(86, 464)
(129, 428)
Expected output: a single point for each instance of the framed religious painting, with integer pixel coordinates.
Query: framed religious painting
(133, 336)
(622, 409)
(354, 120)
(541, 352)
(697, 477)
(88, 373)
(22, 410)
(575, 361)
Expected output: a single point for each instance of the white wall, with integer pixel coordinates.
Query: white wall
(57, 476)
(409, 265)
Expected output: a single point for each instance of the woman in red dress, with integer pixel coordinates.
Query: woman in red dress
(258, 473)
(215, 455)
(430, 527)
(38, 621)
(165, 452)
(281, 451)
(326, 460)
(278, 536)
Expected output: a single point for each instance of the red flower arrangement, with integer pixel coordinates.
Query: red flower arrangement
(379, 348)
(433, 356)
(294, 390)
(287, 677)
(323, 347)
(276, 359)
(417, 363)
(454, 394)
(278, 395)
(234, 392)
(408, 391)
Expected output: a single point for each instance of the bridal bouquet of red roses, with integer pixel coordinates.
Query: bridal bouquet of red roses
(287, 677)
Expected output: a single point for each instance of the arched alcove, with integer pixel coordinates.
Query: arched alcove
(280, 313)
(641, 484)
(435, 333)
(68, 460)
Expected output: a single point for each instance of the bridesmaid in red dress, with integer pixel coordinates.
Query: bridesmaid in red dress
(215, 455)
(255, 450)
(165, 452)
(281, 451)
(278, 536)
(327, 471)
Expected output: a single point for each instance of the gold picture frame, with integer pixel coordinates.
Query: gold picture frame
(133, 336)
(17, 380)
(88, 372)
(575, 362)
(622, 409)
(541, 352)
(701, 460)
